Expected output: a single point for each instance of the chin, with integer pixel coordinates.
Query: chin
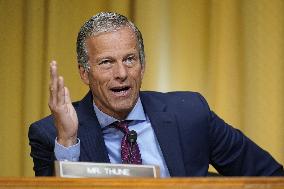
(123, 109)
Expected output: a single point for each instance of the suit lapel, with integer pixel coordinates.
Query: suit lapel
(93, 148)
(166, 130)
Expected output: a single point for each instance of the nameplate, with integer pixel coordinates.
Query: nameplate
(86, 169)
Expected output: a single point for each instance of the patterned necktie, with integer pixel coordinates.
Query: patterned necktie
(130, 152)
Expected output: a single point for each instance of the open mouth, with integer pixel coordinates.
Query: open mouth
(119, 90)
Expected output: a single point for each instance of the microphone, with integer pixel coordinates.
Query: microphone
(132, 136)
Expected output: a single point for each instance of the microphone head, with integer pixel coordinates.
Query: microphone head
(132, 136)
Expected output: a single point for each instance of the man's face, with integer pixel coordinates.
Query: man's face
(115, 73)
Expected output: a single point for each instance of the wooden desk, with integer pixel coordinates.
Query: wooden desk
(115, 183)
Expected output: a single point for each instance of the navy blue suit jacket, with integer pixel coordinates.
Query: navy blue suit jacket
(190, 135)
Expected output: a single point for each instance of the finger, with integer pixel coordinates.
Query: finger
(60, 91)
(53, 73)
(53, 82)
(67, 96)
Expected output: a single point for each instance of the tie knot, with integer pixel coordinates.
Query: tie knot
(122, 126)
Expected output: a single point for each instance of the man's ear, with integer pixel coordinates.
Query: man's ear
(142, 70)
(84, 74)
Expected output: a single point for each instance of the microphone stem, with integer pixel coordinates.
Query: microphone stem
(131, 138)
(130, 153)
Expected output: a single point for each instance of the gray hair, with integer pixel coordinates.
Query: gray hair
(105, 22)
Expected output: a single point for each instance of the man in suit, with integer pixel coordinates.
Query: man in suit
(176, 131)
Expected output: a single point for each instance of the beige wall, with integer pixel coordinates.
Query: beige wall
(232, 51)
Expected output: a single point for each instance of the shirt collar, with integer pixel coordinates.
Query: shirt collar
(136, 114)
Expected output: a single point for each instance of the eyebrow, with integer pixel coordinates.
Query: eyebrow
(104, 58)
(112, 58)
(129, 54)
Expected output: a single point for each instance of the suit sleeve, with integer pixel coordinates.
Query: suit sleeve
(42, 151)
(234, 154)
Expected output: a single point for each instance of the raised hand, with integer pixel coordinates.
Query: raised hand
(66, 120)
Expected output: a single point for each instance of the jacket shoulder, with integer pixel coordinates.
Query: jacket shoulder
(176, 98)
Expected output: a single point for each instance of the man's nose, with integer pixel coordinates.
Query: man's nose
(120, 71)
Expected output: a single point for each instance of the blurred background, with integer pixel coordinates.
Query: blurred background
(231, 51)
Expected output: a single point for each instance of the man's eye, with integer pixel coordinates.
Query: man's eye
(104, 62)
(130, 60)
